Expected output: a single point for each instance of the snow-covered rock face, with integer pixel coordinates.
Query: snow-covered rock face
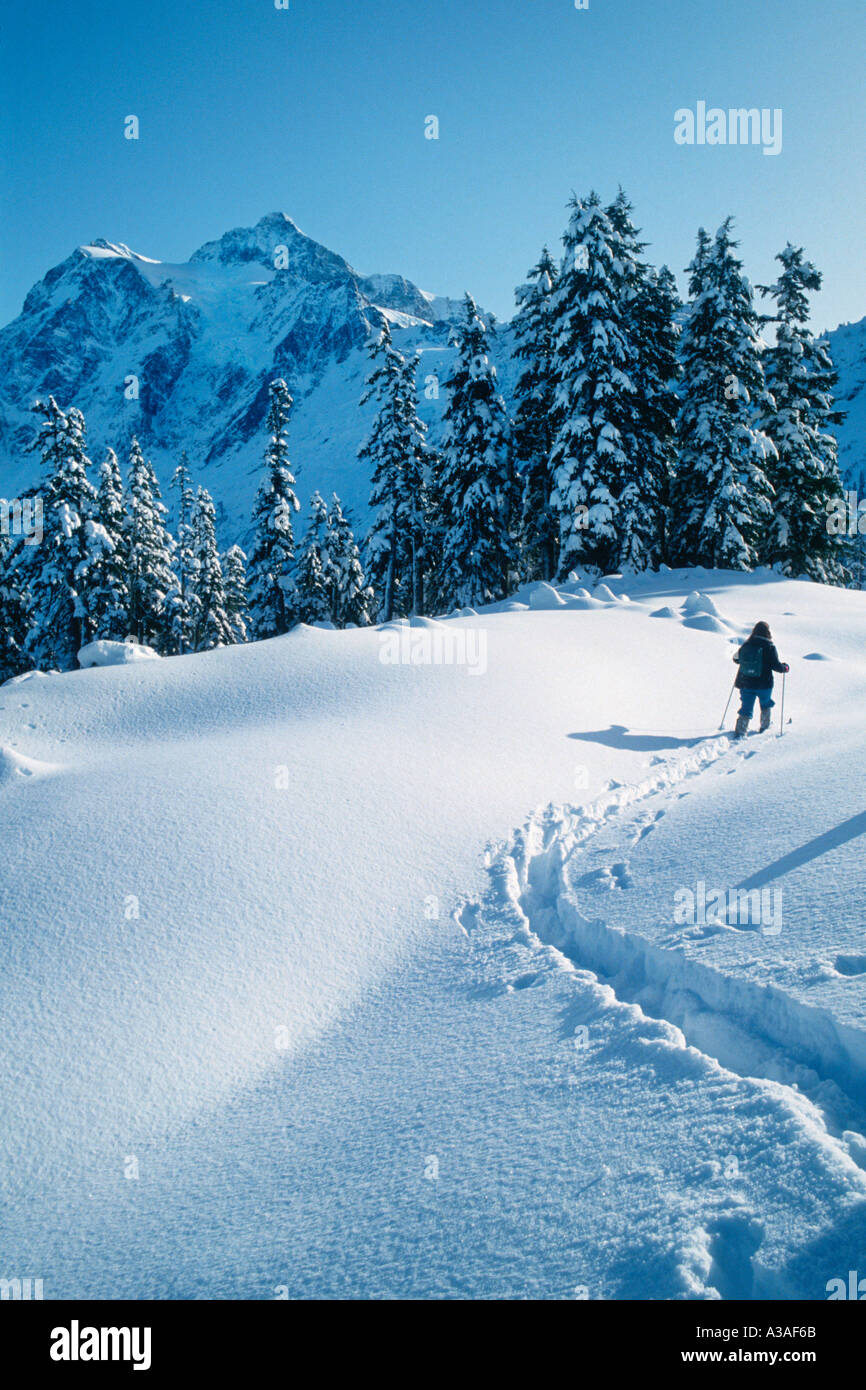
(181, 356)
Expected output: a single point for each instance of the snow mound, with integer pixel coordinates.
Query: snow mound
(15, 765)
(666, 612)
(705, 622)
(605, 594)
(816, 656)
(698, 604)
(106, 653)
(543, 596)
(27, 676)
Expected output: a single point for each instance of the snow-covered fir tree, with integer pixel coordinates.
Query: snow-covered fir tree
(389, 453)
(649, 301)
(595, 453)
(271, 585)
(533, 428)
(212, 623)
(184, 617)
(312, 590)
(234, 566)
(351, 597)
(107, 596)
(58, 571)
(800, 378)
(421, 463)
(152, 584)
(13, 606)
(722, 496)
(474, 490)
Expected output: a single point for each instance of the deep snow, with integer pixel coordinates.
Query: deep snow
(333, 975)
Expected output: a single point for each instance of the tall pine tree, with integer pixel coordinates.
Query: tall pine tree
(184, 618)
(351, 597)
(58, 571)
(152, 583)
(313, 598)
(272, 595)
(800, 377)
(234, 566)
(475, 488)
(389, 452)
(595, 453)
(212, 623)
(722, 496)
(534, 418)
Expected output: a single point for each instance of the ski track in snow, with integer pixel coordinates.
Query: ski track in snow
(794, 1060)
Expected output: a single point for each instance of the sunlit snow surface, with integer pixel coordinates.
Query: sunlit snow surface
(359, 979)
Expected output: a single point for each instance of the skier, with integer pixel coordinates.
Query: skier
(757, 660)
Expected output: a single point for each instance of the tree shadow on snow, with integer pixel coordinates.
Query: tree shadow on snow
(813, 849)
(618, 736)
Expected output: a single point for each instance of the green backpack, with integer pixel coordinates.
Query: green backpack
(751, 660)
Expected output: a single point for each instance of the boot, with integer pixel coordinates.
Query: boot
(741, 726)
(766, 719)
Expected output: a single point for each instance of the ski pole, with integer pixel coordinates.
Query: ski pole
(727, 706)
(782, 725)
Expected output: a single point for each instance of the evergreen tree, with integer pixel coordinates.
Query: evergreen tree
(800, 377)
(389, 451)
(108, 594)
(273, 599)
(478, 553)
(534, 418)
(351, 597)
(596, 450)
(184, 616)
(152, 583)
(722, 495)
(420, 462)
(57, 572)
(234, 566)
(313, 597)
(212, 624)
(13, 609)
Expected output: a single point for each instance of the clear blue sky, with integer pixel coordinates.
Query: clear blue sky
(318, 111)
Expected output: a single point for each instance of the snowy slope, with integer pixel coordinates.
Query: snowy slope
(351, 978)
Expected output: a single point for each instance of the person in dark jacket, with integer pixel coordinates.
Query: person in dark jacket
(757, 660)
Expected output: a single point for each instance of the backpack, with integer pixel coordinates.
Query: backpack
(751, 660)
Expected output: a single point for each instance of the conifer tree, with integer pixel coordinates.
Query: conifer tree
(107, 597)
(184, 616)
(212, 624)
(313, 597)
(389, 452)
(351, 597)
(534, 418)
(478, 553)
(57, 572)
(800, 378)
(152, 583)
(722, 494)
(272, 595)
(596, 452)
(234, 566)
(13, 608)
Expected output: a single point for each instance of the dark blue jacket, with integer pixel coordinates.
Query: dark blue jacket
(770, 663)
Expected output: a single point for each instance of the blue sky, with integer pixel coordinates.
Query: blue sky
(318, 111)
